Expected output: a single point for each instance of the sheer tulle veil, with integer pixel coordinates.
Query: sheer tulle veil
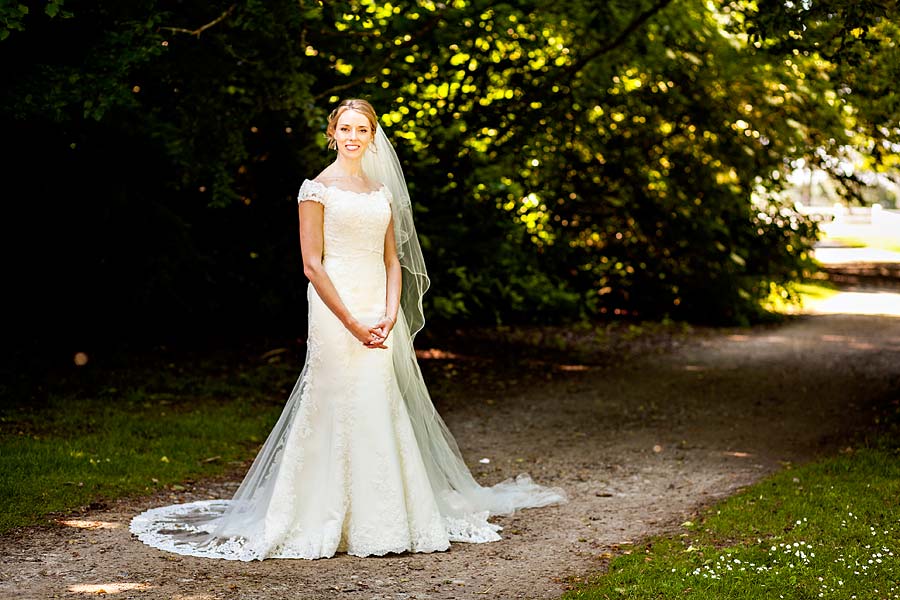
(247, 527)
(459, 495)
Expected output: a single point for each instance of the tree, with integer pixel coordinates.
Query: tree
(567, 159)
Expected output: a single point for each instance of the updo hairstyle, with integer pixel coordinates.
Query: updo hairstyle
(360, 106)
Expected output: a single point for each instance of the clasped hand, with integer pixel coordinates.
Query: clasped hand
(375, 335)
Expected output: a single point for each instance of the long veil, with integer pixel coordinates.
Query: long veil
(460, 497)
(245, 527)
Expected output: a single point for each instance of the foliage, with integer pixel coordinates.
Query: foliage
(567, 159)
(825, 530)
(855, 45)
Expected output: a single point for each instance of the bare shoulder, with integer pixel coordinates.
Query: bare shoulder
(325, 176)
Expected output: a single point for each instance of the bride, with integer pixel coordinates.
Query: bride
(359, 461)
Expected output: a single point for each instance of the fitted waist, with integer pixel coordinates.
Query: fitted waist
(360, 281)
(365, 267)
(352, 254)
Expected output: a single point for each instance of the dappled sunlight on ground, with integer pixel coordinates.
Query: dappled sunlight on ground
(437, 354)
(870, 302)
(81, 524)
(776, 339)
(873, 277)
(109, 588)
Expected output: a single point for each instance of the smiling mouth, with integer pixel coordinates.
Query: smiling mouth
(352, 146)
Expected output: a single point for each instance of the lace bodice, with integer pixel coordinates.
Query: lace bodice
(355, 222)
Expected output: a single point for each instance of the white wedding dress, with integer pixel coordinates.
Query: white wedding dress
(343, 470)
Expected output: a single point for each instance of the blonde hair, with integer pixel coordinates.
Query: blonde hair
(357, 104)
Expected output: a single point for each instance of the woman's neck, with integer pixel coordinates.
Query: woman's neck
(349, 167)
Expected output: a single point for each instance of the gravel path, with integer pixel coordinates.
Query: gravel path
(639, 446)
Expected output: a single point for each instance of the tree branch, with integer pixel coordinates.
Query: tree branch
(203, 28)
(619, 39)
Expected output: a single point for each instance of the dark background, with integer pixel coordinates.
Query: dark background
(567, 161)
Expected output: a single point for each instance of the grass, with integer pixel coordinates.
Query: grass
(830, 529)
(880, 242)
(815, 290)
(798, 295)
(118, 430)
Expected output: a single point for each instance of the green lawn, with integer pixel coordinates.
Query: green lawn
(798, 295)
(880, 242)
(113, 431)
(825, 530)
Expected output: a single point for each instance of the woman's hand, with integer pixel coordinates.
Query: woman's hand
(371, 337)
(365, 334)
(382, 330)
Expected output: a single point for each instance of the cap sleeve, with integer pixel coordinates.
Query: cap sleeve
(312, 190)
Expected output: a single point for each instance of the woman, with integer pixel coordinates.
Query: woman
(359, 461)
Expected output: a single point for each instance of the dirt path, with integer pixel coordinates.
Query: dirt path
(639, 447)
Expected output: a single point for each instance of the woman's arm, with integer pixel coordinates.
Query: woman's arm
(394, 274)
(312, 220)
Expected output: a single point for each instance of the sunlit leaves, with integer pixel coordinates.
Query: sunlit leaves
(633, 146)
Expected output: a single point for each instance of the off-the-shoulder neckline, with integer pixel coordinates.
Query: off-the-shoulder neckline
(340, 189)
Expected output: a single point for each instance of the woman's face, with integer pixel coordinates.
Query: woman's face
(353, 134)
